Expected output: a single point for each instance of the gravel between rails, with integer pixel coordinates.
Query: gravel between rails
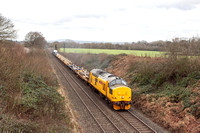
(85, 120)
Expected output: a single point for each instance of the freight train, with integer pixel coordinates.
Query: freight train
(112, 88)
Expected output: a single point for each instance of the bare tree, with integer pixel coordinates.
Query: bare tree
(184, 47)
(35, 39)
(6, 29)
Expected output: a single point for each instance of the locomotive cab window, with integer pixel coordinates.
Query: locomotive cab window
(110, 91)
(118, 82)
(95, 81)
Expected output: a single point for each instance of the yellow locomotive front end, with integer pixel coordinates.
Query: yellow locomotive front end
(113, 88)
(121, 98)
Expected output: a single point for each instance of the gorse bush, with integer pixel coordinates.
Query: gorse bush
(180, 71)
(38, 98)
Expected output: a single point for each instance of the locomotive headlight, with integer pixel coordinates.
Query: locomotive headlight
(122, 97)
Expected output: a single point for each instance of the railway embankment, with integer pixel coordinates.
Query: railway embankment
(165, 89)
(29, 98)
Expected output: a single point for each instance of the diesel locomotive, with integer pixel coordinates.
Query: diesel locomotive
(114, 89)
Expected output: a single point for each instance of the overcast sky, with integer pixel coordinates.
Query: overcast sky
(105, 20)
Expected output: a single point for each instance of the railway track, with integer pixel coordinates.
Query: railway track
(135, 122)
(101, 118)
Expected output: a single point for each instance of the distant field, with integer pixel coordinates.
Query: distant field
(113, 51)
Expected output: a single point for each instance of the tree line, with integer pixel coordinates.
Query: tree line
(140, 45)
(178, 46)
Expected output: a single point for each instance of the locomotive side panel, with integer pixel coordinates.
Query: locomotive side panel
(98, 83)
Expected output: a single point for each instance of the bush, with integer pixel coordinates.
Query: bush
(195, 110)
(179, 71)
(38, 99)
(159, 79)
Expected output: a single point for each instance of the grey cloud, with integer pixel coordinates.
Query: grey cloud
(64, 20)
(91, 16)
(25, 20)
(34, 22)
(120, 9)
(89, 28)
(30, 21)
(71, 18)
(181, 5)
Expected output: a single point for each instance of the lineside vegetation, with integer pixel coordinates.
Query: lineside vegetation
(29, 101)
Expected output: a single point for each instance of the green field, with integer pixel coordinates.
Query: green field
(114, 51)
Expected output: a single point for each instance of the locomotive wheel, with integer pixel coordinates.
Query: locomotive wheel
(103, 97)
(111, 105)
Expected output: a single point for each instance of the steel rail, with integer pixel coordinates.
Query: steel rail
(128, 122)
(138, 119)
(142, 121)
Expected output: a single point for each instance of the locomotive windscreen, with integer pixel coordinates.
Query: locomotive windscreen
(118, 82)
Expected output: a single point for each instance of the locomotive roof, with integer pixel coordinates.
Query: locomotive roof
(104, 75)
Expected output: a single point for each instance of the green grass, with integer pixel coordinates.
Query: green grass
(114, 52)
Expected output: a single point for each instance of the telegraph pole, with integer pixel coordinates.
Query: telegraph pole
(64, 47)
(55, 46)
